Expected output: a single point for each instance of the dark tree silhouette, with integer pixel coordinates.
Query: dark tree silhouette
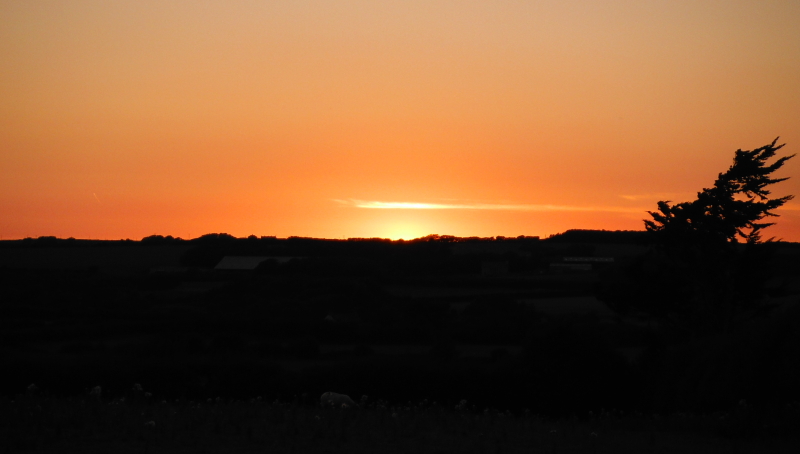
(730, 209)
(699, 277)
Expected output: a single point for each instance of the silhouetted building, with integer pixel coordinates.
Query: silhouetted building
(246, 263)
(561, 267)
(493, 247)
(494, 268)
(589, 259)
(580, 264)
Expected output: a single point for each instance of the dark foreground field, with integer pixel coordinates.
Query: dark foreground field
(507, 324)
(137, 424)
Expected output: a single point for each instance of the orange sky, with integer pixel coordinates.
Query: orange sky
(340, 118)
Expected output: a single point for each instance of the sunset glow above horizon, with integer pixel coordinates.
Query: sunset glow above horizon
(391, 119)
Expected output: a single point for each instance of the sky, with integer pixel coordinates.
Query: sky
(390, 119)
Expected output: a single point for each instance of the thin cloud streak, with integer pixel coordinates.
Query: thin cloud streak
(789, 207)
(658, 196)
(672, 197)
(373, 204)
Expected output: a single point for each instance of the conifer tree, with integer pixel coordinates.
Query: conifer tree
(699, 277)
(734, 207)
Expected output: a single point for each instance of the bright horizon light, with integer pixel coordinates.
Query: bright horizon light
(478, 206)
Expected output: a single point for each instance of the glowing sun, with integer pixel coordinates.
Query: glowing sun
(404, 232)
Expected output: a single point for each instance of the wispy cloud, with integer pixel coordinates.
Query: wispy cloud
(658, 196)
(790, 207)
(677, 197)
(374, 204)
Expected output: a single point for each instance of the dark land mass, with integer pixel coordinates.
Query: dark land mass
(509, 324)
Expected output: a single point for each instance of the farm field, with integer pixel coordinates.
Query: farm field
(398, 322)
(112, 259)
(572, 305)
(135, 423)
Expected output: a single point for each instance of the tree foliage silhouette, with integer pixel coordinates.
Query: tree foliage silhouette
(699, 276)
(732, 208)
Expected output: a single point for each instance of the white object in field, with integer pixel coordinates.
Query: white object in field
(335, 400)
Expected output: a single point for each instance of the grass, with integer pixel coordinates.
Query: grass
(138, 424)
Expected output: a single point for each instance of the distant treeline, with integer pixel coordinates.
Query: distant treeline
(214, 246)
(601, 237)
(569, 236)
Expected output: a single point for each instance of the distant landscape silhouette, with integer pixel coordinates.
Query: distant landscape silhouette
(694, 315)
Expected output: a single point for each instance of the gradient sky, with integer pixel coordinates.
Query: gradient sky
(331, 119)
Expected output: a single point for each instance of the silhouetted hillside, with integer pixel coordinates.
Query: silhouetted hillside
(502, 322)
(601, 237)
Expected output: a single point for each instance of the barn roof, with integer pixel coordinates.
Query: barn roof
(245, 263)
